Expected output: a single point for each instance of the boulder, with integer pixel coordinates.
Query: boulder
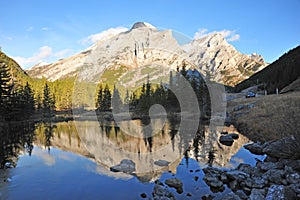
(160, 193)
(280, 192)
(162, 163)
(213, 181)
(237, 175)
(230, 196)
(265, 166)
(126, 166)
(287, 147)
(226, 140)
(274, 176)
(293, 178)
(241, 194)
(175, 183)
(255, 148)
(257, 194)
(234, 136)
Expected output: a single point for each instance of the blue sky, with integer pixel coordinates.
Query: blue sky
(33, 30)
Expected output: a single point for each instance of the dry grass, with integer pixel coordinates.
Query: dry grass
(272, 116)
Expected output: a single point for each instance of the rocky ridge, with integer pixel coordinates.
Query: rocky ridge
(145, 45)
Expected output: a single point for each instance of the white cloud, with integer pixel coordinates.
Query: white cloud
(102, 35)
(63, 53)
(200, 33)
(30, 28)
(45, 29)
(234, 38)
(44, 53)
(46, 157)
(229, 35)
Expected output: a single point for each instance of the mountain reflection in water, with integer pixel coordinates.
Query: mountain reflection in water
(107, 144)
(74, 158)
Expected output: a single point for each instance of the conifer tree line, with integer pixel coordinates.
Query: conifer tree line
(148, 94)
(17, 102)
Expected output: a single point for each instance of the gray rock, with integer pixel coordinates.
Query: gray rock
(293, 178)
(162, 163)
(246, 168)
(280, 192)
(175, 183)
(213, 181)
(237, 175)
(234, 136)
(230, 196)
(294, 164)
(207, 197)
(258, 182)
(255, 148)
(143, 195)
(226, 140)
(241, 194)
(126, 166)
(162, 193)
(257, 194)
(265, 166)
(274, 176)
(224, 177)
(233, 185)
(287, 147)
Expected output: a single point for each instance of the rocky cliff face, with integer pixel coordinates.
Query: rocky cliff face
(144, 45)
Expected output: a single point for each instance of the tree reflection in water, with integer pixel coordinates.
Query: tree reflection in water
(14, 139)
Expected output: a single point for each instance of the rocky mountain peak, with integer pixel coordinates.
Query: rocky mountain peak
(144, 46)
(142, 25)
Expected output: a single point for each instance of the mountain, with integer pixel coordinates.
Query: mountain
(144, 50)
(18, 75)
(283, 72)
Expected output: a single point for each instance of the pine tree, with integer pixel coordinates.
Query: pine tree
(106, 99)
(48, 101)
(29, 100)
(5, 90)
(127, 98)
(117, 103)
(99, 101)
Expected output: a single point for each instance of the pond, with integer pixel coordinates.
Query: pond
(74, 159)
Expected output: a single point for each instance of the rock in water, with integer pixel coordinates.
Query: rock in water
(226, 140)
(160, 192)
(162, 163)
(175, 183)
(234, 136)
(126, 166)
(287, 147)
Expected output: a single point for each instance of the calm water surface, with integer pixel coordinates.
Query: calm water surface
(72, 160)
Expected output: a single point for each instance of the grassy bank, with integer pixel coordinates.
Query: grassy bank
(267, 117)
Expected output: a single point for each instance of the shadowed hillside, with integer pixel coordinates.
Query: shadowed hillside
(279, 74)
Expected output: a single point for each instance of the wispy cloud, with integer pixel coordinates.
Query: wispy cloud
(230, 35)
(42, 55)
(46, 157)
(30, 28)
(102, 35)
(45, 29)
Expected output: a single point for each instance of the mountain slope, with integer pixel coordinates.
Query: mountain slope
(279, 74)
(143, 46)
(224, 63)
(17, 73)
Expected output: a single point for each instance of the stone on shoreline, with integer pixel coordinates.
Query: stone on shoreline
(175, 183)
(287, 147)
